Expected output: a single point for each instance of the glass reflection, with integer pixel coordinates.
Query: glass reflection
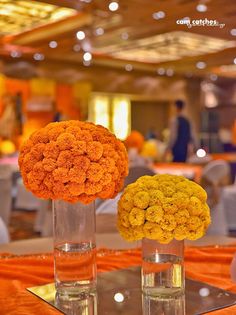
(84, 304)
(152, 305)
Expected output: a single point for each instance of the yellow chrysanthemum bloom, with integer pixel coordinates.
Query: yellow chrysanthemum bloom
(196, 234)
(195, 206)
(154, 213)
(156, 197)
(169, 206)
(168, 222)
(141, 199)
(163, 207)
(181, 200)
(166, 238)
(152, 230)
(180, 232)
(182, 216)
(136, 216)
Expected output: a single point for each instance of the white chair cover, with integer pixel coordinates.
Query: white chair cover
(5, 192)
(4, 235)
(24, 198)
(215, 173)
(228, 201)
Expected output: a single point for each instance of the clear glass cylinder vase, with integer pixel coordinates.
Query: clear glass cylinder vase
(74, 247)
(162, 268)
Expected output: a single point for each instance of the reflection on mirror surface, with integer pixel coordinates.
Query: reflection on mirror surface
(85, 304)
(151, 305)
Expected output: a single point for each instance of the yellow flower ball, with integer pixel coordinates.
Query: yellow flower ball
(163, 207)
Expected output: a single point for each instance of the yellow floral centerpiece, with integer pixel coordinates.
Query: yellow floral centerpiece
(163, 208)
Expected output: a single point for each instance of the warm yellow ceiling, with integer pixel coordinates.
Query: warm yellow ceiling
(21, 15)
(129, 35)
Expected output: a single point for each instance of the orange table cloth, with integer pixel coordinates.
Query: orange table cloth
(196, 169)
(207, 264)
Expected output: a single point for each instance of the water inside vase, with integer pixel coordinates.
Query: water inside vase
(75, 267)
(163, 275)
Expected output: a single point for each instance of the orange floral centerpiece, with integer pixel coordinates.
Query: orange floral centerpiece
(73, 161)
(134, 140)
(162, 211)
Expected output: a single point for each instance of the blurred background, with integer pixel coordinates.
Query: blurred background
(121, 64)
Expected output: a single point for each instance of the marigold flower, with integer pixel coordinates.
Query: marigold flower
(73, 161)
(168, 222)
(173, 207)
(166, 237)
(182, 216)
(156, 197)
(154, 213)
(180, 232)
(141, 199)
(195, 206)
(136, 216)
(152, 230)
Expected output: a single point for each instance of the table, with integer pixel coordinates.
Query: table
(188, 170)
(209, 264)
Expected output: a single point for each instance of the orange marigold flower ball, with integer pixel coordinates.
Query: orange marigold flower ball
(134, 140)
(73, 161)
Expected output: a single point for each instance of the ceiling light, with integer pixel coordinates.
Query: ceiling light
(99, 31)
(128, 67)
(38, 56)
(201, 8)
(76, 47)
(161, 71)
(201, 65)
(113, 6)
(201, 153)
(158, 15)
(169, 72)
(86, 1)
(119, 297)
(233, 32)
(15, 54)
(213, 77)
(235, 61)
(53, 44)
(124, 35)
(87, 56)
(80, 35)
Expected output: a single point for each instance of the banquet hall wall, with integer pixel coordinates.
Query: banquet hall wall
(71, 88)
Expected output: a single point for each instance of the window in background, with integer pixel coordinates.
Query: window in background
(99, 111)
(121, 117)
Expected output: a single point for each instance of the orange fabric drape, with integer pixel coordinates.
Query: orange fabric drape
(207, 264)
(65, 101)
(13, 86)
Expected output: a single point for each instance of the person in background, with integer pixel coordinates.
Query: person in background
(19, 113)
(181, 137)
(8, 118)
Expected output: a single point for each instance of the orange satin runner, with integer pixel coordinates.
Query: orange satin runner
(207, 264)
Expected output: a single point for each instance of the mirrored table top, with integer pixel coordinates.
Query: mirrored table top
(119, 293)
